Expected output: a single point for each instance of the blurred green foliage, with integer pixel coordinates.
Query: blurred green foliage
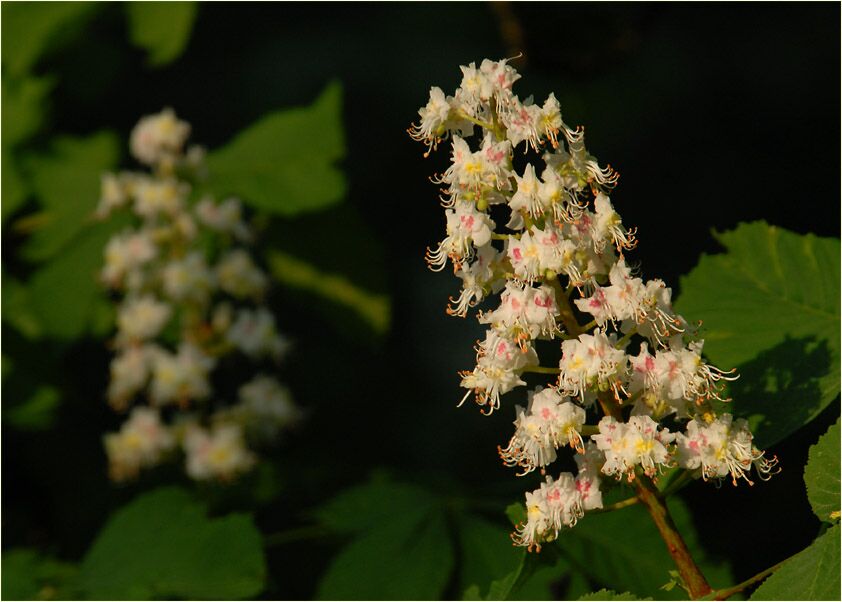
(163, 545)
(162, 28)
(61, 180)
(285, 163)
(33, 29)
(686, 103)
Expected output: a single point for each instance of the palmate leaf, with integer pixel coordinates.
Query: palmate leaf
(402, 546)
(286, 162)
(408, 556)
(162, 545)
(812, 574)
(821, 475)
(770, 306)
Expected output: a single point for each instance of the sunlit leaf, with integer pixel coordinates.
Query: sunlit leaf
(23, 108)
(822, 475)
(374, 309)
(812, 574)
(13, 187)
(63, 293)
(17, 309)
(67, 183)
(31, 29)
(161, 28)
(770, 305)
(162, 545)
(286, 162)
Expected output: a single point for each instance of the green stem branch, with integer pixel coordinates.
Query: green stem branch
(618, 505)
(724, 594)
(482, 124)
(678, 483)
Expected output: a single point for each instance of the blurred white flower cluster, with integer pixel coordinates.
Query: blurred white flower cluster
(190, 296)
(628, 363)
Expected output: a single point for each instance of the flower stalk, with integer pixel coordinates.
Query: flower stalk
(657, 508)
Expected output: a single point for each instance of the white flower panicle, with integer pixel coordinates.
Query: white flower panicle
(159, 138)
(216, 453)
(141, 442)
(190, 295)
(559, 265)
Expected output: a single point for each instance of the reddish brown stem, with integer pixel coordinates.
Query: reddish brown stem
(690, 573)
(651, 498)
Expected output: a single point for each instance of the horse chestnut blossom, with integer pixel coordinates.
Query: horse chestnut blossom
(190, 297)
(632, 394)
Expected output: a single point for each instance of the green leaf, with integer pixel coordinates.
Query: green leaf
(487, 553)
(285, 163)
(29, 575)
(161, 28)
(17, 308)
(13, 187)
(364, 507)
(406, 557)
(374, 309)
(32, 29)
(607, 594)
(770, 305)
(516, 513)
(63, 294)
(812, 574)
(24, 108)
(163, 545)
(67, 183)
(36, 413)
(822, 475)
(506, 572)
(608, 549)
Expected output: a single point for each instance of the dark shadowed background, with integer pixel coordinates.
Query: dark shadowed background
(712, 114)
